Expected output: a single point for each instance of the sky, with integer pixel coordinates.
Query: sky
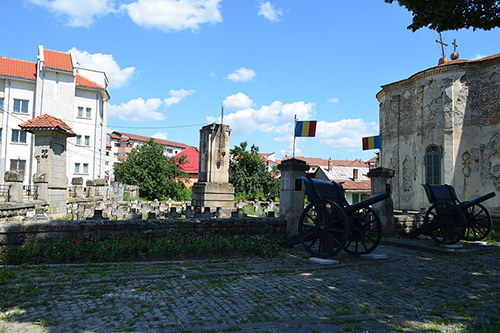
(173, 64)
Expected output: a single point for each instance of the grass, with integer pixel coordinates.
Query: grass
(138, 247)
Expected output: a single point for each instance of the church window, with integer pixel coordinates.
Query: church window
(433, 165)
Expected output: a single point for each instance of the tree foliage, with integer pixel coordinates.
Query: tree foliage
(249, 175)
(157, 176)
(442, 15)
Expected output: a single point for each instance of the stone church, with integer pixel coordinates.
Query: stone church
(442, 126)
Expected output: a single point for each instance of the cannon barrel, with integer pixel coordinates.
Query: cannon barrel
(365, 203)
(467, 204)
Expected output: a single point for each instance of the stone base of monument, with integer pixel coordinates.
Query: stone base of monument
(214, 195)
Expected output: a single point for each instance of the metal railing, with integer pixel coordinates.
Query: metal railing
(30, 192)
(4, 192)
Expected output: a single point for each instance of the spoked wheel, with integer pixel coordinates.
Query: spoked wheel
(479, 223)
(365, 232)
(445, 223)
(323, 228)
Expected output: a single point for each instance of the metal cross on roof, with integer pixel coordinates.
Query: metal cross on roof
(443, 44)
(455, 45)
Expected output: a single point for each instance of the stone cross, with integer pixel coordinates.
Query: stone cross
(443, 44)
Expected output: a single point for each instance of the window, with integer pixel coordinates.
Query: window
(80, 111)
(18, 136)
(88, 112)
(18, 165)
(20, 105)
(78, 139)
(77, 167)
(85, 168)
(87, 140)
(355, 198)
(1, 103)
(1, 131)
(433, 165)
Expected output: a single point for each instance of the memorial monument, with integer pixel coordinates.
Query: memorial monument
(213, 188)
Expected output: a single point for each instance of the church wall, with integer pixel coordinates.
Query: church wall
(457, 108)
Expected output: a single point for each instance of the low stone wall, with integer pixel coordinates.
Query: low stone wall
(405, 223)
(12, 232)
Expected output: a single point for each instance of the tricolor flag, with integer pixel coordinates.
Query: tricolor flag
(305, 128)
(372, 142)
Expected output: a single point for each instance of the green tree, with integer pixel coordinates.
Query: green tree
(157, 176)
(249, 174)
(442, 15)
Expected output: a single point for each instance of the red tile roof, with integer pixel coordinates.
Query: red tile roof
(141, 138)
(360, 185)
(84, 82)
(58, 60)
(53, 59)
(47, 122)
(17, 68)
(191, 162)
(461, 61)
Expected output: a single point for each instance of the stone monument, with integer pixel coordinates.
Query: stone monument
(213, 188)
(50, 152)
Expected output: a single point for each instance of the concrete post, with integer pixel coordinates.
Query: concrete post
(381, 181)
(292, 193)
(14, 179)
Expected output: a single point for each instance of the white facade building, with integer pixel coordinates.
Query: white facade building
(53, 85)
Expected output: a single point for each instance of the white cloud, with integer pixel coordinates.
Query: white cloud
(138, 110)
(333, 100)
(237, 101)
(79, 13)
(344, 133)
(104, 62)
(268, 10)
(168, 15)
(176, 96)
(268, 118)
(160, 135)
(242, 75)
(479, 56)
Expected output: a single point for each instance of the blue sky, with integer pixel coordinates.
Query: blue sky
(173, 63)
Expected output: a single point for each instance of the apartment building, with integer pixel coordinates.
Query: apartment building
(57, 86)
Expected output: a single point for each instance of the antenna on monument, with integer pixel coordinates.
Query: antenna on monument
(222, 114)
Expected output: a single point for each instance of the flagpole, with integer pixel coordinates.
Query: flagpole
(294, 125)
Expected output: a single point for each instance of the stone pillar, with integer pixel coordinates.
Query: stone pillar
(77, 183)
(213, 188)
(42, 187)
(292, 192)
(50, 152)
(14, 179)
(381, 181)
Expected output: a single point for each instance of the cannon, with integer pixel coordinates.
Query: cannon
(329, 224)
(449, 221)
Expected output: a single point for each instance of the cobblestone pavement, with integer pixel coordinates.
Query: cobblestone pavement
(410, 291)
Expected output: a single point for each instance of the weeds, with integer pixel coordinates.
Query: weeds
(138, 247)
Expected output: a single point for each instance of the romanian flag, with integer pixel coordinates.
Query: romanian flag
(305, 128)
(372, 142)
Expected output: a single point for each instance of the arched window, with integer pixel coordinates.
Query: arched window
(433, 165)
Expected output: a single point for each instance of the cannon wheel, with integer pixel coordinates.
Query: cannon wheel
(323, 228)
(479, 223)
(365, 232)
(445, 223)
